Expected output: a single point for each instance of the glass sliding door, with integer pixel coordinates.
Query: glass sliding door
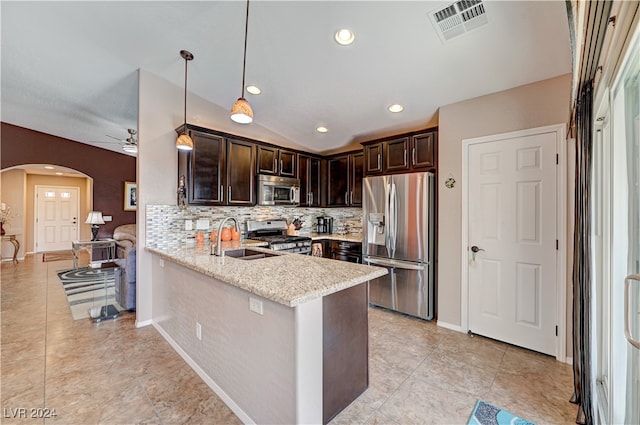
(625, 258)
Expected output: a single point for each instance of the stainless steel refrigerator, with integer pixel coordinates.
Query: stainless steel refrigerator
(398, 233)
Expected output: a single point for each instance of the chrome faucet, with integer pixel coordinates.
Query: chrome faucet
(217, 248)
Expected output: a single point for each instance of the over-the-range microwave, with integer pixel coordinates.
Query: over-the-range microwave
(274, 190)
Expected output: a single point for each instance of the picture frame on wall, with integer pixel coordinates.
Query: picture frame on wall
(130, 196)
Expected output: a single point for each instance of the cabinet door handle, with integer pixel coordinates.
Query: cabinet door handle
(413, 157)
(275, 166)
(379, 161)
(311, 203)
(220, 190)
(405, 157)
(346, 198)
(350, 198)
(228, 193)
(281, 166)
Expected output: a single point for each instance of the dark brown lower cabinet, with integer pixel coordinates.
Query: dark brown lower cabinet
(345, 364)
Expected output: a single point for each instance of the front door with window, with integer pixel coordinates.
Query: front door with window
(57, 215)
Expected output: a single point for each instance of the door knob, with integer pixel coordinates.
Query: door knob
(476, 249)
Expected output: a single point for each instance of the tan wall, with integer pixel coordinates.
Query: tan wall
(530, 106)
(13, 194)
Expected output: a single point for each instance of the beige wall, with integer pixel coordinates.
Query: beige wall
(530, 106)
(13, 194)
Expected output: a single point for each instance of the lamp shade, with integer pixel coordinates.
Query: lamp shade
(184, 143)
(94, 217)
(241, 111)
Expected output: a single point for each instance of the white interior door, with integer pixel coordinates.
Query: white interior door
(57, 215)
(512, 225)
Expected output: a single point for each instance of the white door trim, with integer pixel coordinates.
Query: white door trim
(561, 227)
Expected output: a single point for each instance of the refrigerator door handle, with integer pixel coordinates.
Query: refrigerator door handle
(395, 264)
(387, 218)
(393, 211)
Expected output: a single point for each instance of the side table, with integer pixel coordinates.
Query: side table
(16, 246)
(106, 311)
(107, 244)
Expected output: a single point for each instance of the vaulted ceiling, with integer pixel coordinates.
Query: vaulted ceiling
(70, 68)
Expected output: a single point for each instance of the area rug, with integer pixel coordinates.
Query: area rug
(488, 414)
(85, 289)
(57, 256)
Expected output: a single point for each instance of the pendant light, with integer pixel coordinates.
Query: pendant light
(241, 111)
(184, 142)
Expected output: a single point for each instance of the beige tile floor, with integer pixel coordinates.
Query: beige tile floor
(113, 373)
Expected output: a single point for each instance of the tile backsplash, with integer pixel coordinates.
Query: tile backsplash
(166, 223)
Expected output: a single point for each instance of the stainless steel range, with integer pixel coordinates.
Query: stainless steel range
(275, 233)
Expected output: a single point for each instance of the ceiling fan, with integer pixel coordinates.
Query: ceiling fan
(130, 144)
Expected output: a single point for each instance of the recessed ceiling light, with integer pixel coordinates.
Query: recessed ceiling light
(322, 129)
(396, 107)
(345, 37)
(254, 90)
(49, 167)
(59, 173)
(130, 148)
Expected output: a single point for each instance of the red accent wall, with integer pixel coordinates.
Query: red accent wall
(109, 170)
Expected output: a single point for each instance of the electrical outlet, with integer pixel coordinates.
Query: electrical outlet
(161, 262)
(107, 218)
(255, 305)
(188, 225)
(199, 331)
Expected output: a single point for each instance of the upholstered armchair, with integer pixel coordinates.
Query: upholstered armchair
(125, 236)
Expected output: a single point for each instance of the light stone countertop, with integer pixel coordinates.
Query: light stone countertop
(288, 279)
(349, 237)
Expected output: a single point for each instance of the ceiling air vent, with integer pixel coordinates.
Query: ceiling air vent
(458, 18)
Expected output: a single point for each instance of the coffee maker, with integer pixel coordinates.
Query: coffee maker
(324, 225)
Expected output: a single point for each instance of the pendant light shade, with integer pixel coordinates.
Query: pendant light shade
(184, 142)
(241, 111)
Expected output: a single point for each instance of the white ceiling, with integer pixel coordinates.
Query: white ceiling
(70, 68)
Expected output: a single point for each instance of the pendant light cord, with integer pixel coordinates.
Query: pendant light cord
(244, 60)
(185, 93)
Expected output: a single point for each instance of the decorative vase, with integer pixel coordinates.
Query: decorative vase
(1, 228)
(226, 234)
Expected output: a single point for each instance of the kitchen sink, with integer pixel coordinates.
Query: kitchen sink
(247, 254)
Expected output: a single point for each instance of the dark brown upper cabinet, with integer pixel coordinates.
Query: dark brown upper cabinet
(310, 180)
(275, 161)
(240, 174)
(344, 180)
(219, 170)
(396, 154)
(373, 158)
(405, 153)
(423, 153)
(204, 169)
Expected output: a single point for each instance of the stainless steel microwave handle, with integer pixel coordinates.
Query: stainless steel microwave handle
(627, 300)
(292, 194)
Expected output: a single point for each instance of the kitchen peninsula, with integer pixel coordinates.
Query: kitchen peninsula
(281, 339)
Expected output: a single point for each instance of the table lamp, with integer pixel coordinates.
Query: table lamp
(94, 219)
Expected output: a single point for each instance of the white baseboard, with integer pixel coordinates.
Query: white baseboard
(143, 323)
(446, 325)
(206, 378)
